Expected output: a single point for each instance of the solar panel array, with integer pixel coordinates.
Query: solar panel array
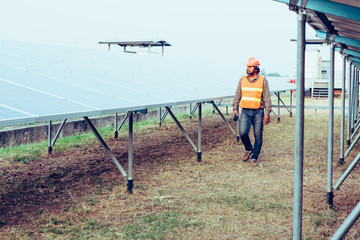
(43, 82)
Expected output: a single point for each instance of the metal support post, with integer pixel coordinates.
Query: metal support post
(49, 138)
(356, 112)
(291, 97)
(52, 143)
(130, 184)
(349, 107)
(347, 172)
(299, 127)
(353, 102)
(159, 116)
(238, 128)
(199, 132)
(348, 223)
(223, 118)
(102, 142)
(342, 128)
(181, 128)
(355, 99)
(329, 194)
(116, 133)
(357, 93)
(278, 95)
(190, 115)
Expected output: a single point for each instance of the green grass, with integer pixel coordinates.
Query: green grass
(24, 153)
(158, 226)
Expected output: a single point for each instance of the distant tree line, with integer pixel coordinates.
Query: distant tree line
(263, 72)
(273, 74)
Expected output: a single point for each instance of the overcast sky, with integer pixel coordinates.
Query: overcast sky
(230, 31)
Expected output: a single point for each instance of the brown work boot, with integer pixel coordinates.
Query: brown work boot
(246, 156)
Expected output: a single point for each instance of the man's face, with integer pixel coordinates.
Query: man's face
(250, 70)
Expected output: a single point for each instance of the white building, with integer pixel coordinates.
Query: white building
(317, 72)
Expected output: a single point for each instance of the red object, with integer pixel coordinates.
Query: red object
(294, 82)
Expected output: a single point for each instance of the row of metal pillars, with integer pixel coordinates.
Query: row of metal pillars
(130, 117)
(353, 126)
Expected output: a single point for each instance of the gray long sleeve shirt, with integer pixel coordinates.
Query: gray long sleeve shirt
(265, 98)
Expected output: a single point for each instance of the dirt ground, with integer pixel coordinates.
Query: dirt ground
(162, 155)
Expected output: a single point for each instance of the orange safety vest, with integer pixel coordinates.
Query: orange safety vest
(251, 92)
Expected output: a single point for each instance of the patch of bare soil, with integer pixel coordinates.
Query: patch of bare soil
(50, 182)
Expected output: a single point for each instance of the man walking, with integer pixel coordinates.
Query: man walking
(253, 94)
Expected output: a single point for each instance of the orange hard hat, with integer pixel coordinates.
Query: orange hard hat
(253, 61)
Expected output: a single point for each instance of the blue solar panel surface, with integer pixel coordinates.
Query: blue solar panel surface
(42, 82)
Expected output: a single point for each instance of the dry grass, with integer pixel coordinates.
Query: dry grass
(175, 197)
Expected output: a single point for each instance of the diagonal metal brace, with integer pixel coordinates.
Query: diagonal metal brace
(222, 116)
(352, 144)
(282, 102)
(193, 110)
(162, 118)
(105, 147)
(347, 172)
(123, 121)
(181, 128)
(348, 223)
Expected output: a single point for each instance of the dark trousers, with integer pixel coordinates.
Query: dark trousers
(255, 118)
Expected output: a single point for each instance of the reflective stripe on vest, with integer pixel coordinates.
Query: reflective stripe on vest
(251, 92)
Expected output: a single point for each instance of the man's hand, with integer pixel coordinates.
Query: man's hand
(235, 112)
(266, 119)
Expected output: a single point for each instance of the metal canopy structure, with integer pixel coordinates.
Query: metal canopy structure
(47, 83)
(337, 23)
(149, 44)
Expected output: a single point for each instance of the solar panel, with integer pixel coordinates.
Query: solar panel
(43, 82)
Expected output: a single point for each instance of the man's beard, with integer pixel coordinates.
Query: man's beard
(251, 73)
